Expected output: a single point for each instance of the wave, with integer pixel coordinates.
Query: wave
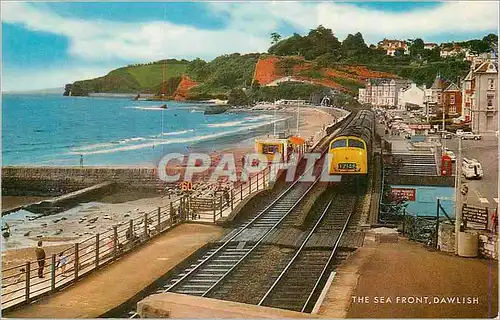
(175, 133)
(96, 146)
(146, 108)
(90, 147)
(224, 124)
(156, 142)
(131, 139)
(258, 118)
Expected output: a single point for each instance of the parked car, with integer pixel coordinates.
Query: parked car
(470, 136)
(447, 135)
(459, 132)
(450, 154)
(471, 169)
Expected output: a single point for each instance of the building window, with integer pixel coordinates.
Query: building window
(490, 99)
(452, 99)
(491, 84)
(467, 85)
(453, 109)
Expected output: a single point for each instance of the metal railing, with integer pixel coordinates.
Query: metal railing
(24, 283)
(21, 284)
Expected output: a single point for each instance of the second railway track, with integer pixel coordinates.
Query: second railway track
(297, 286)
(290, 277)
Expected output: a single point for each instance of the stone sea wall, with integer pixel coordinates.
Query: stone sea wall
(58, 180)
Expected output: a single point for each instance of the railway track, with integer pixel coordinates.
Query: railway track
(299, 281)
(253, 277)
(288, 278)
(206, 273)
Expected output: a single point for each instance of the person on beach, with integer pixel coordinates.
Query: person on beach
(40, 257)
(111, 245)
(81, 161)
(226, 195)
(61, 263)
(22, 276)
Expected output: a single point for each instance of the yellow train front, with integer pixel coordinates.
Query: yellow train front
(350, 151)
(348, 155)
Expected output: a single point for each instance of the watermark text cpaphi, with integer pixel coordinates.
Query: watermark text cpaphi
(175, 167)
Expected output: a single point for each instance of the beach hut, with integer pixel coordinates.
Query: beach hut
(280, 149)
(273, 148)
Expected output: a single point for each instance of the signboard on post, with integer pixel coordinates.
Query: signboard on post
(404, 193)
(476, 215)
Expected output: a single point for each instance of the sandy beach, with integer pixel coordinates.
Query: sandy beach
(60, 230)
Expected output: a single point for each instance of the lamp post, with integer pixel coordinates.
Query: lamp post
(298, 118)
(458, 194)
(427, 110)
(444, 113)
(442, 133)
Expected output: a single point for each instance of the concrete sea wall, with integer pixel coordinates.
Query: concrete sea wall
(58, 180)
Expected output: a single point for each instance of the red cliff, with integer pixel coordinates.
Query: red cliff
(182, 89)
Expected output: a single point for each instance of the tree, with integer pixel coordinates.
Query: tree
(275, 37)
(478, 46)
(197, 69)
(288, 47)
(238, 97)
(491, 39)
(399, 52)
(432, 55)
(320, 41)
(354, 43)
(417, 47)
(326, 60)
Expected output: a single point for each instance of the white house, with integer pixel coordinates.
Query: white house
(362, 95)
(430, 46)
(381, 91)
(411, 94)
(392, 45)
(451, 51)
(480, 95)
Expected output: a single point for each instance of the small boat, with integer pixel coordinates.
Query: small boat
(163, 106)
(216, 109)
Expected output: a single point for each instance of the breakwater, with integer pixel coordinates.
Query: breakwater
(54, 181)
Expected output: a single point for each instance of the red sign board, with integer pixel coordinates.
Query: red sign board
(403, 193)
(419, 126)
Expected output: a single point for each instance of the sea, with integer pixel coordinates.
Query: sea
(53, 130)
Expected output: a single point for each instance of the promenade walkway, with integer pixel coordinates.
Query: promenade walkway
(404, 269)
(114, 284)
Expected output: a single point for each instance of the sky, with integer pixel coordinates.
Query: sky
(50, 44)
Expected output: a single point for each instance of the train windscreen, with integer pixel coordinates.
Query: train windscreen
(339, 143)
(356, 144)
